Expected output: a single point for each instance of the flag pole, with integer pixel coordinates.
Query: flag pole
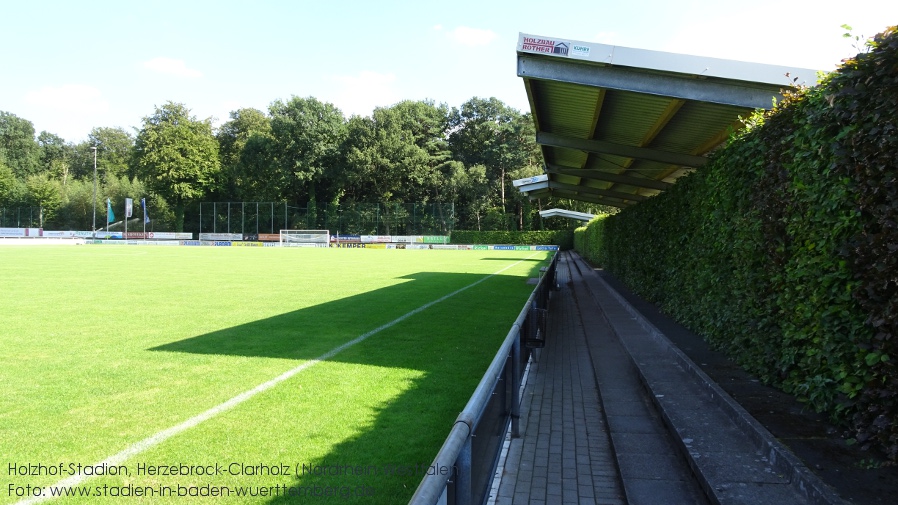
(109, 216)
(129, 207)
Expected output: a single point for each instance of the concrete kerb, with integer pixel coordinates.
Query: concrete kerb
(800, 477)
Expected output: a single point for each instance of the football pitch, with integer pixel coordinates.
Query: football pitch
(241, 375)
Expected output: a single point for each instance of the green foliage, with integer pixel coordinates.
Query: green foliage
(46, 194)
(399, 153)
(306, 135)
(242, 146)
(303, 152)
(782, 249)
(489, 133)
(7, 185)
(864, 100)
(564, 239)
(55, 156)
(177, 156)
(76, 211)
(114, 149)
(18, 149)
(588, 240)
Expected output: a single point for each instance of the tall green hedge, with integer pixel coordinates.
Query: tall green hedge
(564, 239)
(783, 249)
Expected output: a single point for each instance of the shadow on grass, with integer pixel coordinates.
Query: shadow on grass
(450, 344)
(310, 332)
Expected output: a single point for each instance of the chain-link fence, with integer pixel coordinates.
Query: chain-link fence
(360, 219)
(20, 217)
(270, 217)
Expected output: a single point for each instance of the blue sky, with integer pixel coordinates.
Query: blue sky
(70, 66)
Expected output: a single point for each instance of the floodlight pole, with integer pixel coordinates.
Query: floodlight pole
(94, 227)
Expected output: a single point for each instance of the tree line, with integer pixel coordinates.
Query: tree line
(301, 151)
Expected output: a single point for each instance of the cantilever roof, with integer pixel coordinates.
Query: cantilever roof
(617, 125)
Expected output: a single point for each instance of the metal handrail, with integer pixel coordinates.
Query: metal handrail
(454, 456)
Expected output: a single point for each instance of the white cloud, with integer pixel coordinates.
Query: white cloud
(472, 37)
(172, 67)
(361, 93)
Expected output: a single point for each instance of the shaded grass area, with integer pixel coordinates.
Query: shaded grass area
(200, 326)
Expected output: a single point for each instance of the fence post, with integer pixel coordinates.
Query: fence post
(463, 480)
(516, 385)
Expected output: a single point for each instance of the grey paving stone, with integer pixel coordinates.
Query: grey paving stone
(565, 452)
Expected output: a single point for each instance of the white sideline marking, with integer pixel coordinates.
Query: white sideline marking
(162, 436)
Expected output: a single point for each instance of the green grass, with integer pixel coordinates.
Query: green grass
(106, 346)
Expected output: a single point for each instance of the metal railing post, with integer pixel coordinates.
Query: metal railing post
(516, 385)
(463, 479)
(457, 448)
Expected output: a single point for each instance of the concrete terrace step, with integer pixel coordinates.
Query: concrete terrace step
(651, 468)
(735, 459)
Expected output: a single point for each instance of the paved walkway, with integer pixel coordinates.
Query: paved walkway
(566, 453)
(613, 413)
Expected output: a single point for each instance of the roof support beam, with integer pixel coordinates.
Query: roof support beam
(600, 175)
(684, 86)
(549, 186)
(605, 147)
(596, 191)
(601, 200)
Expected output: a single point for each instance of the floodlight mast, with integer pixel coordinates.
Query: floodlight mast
(94, 227)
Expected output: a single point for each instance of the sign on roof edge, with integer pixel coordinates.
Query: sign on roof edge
(557, 47)
(665, 61)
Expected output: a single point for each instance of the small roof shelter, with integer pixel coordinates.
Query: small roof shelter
(570, 214)
(617, 125)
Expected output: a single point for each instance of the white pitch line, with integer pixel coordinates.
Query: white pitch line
(162, 436)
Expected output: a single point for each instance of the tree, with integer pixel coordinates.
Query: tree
(399, 153)
(115, 150)
(119, 188)
(177, 156)
(487, 132)
(46, 194)
(241, 168)
(18, 149)
(472, 187)
(307, 135)
(76, 211)
(7, 185)
(55, 156)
